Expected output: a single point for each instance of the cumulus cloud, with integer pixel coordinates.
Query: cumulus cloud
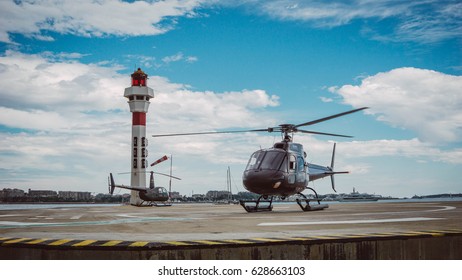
(91, 18)
(424, 101)
(418, 21)
(60, 116)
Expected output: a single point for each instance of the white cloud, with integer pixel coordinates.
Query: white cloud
(75, 121)
(179, 57)
(91, 18)
(424, 101)
(418, 21)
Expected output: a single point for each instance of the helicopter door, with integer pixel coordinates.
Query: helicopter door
(301, 174)
(292, 169)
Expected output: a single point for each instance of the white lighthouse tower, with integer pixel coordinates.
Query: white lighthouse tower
(138, 96)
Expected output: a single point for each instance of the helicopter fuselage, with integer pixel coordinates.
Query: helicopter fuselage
(156, 194)
(278, 171)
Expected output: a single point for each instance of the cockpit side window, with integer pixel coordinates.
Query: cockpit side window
(300, 164)
(292, 161)
(255, 160)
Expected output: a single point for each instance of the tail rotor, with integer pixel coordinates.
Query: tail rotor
(111, 183)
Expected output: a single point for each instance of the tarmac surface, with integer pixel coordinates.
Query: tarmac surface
(187, 222)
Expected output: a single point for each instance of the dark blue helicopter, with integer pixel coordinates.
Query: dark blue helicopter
(283, 170)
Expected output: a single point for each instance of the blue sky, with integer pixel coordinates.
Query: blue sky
(217, 65)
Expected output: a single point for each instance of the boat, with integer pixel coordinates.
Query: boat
(356, 196)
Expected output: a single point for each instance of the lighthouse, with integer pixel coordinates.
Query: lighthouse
(138, 96)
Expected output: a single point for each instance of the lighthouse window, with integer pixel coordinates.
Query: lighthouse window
(135, 163)
(131, 98)
(144, 141)
(135, 141)
(135, 152)
(144, 152)
(143, 163)
(138, 97)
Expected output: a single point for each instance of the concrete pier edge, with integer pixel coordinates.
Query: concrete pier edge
(429, 244)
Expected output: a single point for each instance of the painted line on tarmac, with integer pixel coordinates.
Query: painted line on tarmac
(440, 208)
(11, 224)
(417, 219)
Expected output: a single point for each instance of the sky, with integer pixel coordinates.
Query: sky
(226, 65)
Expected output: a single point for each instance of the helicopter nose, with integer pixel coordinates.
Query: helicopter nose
(258, 179)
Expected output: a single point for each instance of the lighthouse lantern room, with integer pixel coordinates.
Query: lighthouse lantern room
(138, 96)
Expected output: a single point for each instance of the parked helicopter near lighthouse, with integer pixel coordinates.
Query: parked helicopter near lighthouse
(157, 196)
(283, 169)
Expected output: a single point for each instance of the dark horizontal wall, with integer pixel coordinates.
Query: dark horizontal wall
(395, 248)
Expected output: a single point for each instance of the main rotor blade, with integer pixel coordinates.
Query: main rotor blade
(211, 132)
(167, 175)
(323, 133)
(331, 117)
(152, 172)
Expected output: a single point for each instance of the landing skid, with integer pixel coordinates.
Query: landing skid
(305, 203)
(257, 207)
(153, 203)
(163, 204)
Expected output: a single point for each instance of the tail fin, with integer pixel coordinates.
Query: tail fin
(331, 167)
(111, 183)
(151, 180)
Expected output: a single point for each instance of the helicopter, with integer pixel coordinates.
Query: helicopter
(157, 196)
(283, 170)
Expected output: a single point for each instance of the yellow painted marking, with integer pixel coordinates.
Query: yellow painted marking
(350, 236)
(418, 232)
(408, 234)
(5, 238)
(383, 234)
(265, 239)
(138, 244)
(363, 235)
(85, 243)
(177, 243)
(16, 240)
(209, 242)
(447, 231)
(435, 234)
(324, 237)
(299, 238)
(37, 241)
(238, 241)
(112, 243)
(60, 242)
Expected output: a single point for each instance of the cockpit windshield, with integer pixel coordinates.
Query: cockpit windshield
(273, 160)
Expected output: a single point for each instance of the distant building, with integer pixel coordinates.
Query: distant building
(213, 195)
(175, 195)
(11, 193)
(78, 196)
(198, 196)
(42, 193)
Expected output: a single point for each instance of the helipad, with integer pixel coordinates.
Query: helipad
(208, 224)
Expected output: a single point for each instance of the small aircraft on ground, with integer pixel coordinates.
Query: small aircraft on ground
(283, 170)
(157, 196)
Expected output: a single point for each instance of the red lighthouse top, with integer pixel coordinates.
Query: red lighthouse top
(139, 78)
